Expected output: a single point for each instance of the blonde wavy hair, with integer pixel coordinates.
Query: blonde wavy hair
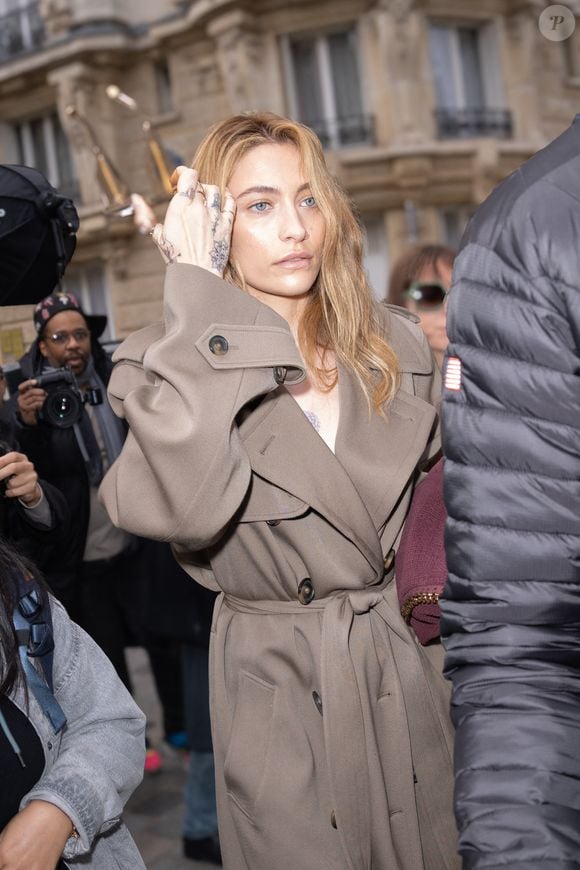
(340, 314)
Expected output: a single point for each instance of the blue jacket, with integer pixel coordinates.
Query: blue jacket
(511, 608)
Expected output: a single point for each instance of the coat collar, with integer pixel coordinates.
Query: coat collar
(357, 488)
(285, 449)
(380, 453)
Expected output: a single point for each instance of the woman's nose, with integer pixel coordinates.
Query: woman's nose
(293, 226)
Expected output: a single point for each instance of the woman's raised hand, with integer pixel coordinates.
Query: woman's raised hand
(198, 225)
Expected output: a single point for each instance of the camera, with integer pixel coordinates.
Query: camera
(63, 405)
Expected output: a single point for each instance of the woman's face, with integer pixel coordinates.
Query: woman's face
(433, 322)
(278, 233)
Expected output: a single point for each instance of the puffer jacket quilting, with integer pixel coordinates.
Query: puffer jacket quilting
(511, 607)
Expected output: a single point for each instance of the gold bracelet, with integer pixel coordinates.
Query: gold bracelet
(414, 600)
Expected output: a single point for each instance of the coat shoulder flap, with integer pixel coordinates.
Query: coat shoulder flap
(402, 331)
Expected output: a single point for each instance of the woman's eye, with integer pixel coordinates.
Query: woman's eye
(259, 206)
(309, 201)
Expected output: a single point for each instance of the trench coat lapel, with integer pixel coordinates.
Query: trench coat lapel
(380, 453)
(284, 449)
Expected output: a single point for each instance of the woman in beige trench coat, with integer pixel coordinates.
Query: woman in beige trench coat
(279, 459)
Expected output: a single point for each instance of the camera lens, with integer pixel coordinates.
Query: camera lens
(62, 408)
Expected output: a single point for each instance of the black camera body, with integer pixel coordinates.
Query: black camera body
(63, 406)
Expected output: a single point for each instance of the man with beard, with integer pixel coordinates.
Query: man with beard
(90, 578)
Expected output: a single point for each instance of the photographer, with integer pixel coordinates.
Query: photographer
(95, 578)
(90, 578)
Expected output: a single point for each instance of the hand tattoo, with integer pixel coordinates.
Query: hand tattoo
(215, 203)
(219, 256)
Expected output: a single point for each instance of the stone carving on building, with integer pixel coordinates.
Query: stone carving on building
(402, 49)
(399, 9)
(240, 52)
(57, 16)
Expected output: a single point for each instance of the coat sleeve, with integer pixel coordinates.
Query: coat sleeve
(511, 607)
(102, 749)
(183, 472)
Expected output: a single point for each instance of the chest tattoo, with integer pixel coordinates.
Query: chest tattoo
(314, 419)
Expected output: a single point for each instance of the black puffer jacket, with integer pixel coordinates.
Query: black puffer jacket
(511, 609)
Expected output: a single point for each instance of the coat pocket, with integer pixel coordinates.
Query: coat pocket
(248, 752)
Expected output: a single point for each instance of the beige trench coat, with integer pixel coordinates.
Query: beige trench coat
(331, 736)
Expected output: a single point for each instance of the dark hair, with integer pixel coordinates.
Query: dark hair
(12, 563)
(409, 266)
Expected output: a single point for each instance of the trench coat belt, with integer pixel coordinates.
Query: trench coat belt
(343, 717)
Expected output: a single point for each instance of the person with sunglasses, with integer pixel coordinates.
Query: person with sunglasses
(420, 281)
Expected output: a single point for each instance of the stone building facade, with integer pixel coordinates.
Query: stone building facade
(422, 105)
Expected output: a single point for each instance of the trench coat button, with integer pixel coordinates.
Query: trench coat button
(272, 522)
(218, 345)
(49, 745)
(306, 591)
(389, 561)
(333, 820)
(280, 374)
(318, 701)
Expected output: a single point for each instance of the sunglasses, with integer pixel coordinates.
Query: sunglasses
(427, 296)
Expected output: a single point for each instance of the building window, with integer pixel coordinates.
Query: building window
(163, 87)
(42, 143)
(467, 78)
(21, 28)
(88, 282)
(376, 254)
(323, 85)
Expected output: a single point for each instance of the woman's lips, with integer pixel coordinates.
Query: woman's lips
(295, 262)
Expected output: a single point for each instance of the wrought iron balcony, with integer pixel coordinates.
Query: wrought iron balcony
(21, 30)
(342, 132)
(467, 123)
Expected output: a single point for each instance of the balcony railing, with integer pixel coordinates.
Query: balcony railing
(342, 132)
(467, 123)
(21, 30)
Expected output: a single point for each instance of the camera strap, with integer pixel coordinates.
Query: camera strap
(89, 447)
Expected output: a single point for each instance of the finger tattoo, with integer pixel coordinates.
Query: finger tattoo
(167, 249)
(219, 255)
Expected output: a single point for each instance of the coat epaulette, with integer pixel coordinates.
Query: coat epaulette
(401, 311)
